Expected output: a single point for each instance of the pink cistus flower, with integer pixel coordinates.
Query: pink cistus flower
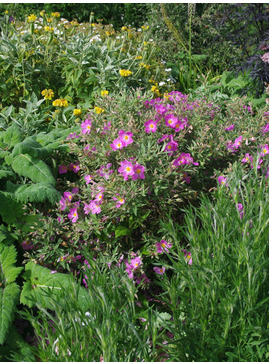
(247, 158)
(240, 209)
(117, 144)
(73, 215)
(68, 196)
(265, 128)
(171, 147)
(26, 245)
(264, 150)
(134, 264)
(188, 257)
(222, 180)
(104, 171)
(119, 201)
(163, 246)
(171, 120)
(88, 179)
(86, 126)
(160, 109)
(62, 169)
(238, 141)
(126, 169)
(126, 137)
(229, 128)
(150, 126)
(138, 172)
(159, 271)
(74, 167)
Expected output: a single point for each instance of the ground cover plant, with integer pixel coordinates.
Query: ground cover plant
(134, 216)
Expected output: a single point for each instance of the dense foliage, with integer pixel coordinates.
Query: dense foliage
(133, 185)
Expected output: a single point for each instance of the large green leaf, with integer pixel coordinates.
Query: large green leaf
(11, 136)
(33, 168)
(41, 283)
(31, 147)
(10, 209)
(38, 192)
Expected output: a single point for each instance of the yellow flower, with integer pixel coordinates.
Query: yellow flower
(48, 94)
(144, 27)
(49, 20)
(6, 12)
(138, 57)
(93, 25)
(104, 93)
(77, 112)
(98, 110)
(48, 29)
(107, 33)
(75, 23)
(145, 43)
(42, 13)
(123, 28)
(166, 96)
(56, 14)
(60, 103)
(125, 73)
(31, 18)
(144, 65)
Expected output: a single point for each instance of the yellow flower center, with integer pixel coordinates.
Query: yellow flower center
(138, 171)
(128, 169)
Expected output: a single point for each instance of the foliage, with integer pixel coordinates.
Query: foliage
(9, 290)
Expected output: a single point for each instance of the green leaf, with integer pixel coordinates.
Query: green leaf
(9, 296)
(121, 230)
(10, 209)
(12, 136)
(31, 147)
(38, 192)
(40, 283)
(35, 169)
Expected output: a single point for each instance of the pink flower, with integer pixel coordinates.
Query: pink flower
(119, 201)
(73, 215)
(125, 137)
(265, 128)
(248, 158)
(180, 124)
(117, 144)
(237, 142)
(231, 127)
(159, 270)
(135, 263)
(188, 257)
(265, 150)
(86, 126)
(94, 207)
(222, 180)
(163, 246)
(126, 169)
(160, 109)
(105, 172)
(171, 147)
(68, 196)
(150, 126)
(62, 204)
(74, 167)
(88, 179)
(240, 209)
(171, 120)
(75, 190)
(26, 245)
(139, 172)
(62, 169)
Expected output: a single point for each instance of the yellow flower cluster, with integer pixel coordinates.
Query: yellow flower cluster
(60, 103)
(48, 29)
(138, 57)
(77, 112)
(93, 24)
(48, 94)
(98, 110)
(42, 13)
(56, 14)
(156, 91)
(142, 64)
(144, 27)
(31, 18)
(108, 33)
(49, 20)
(125, 73)
(6, 12)
(104, 93)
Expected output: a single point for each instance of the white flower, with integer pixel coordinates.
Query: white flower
(168, 69)
(161, 83)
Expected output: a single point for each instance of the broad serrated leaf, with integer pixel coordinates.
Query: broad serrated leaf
(7, 260)
(11, 136)
(9, 297)
(40, 282)
(10, 209)
(5, 173)
(6, 237)
(35, 169)
(31, 147)
(38, 192)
